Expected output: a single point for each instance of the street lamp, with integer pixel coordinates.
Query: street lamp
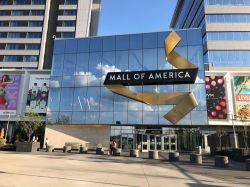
(235, 142)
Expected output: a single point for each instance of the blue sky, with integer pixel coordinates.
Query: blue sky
(135, 16)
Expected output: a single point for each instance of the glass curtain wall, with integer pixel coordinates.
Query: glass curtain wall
(78, 96)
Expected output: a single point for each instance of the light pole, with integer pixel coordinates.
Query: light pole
(235, 142)
(7, 128)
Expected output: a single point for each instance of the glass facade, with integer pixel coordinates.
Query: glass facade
(78, 96)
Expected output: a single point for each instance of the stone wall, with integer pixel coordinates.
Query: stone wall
(91, 134)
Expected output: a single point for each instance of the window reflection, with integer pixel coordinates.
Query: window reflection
(67, 99)
(135, 60)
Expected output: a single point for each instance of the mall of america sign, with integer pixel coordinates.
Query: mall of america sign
(185, 73)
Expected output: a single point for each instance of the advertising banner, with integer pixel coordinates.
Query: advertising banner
(216, 97)
(242, 96)
(9, 91)
(37, 98)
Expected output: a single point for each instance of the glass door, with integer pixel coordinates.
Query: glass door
(144, 143)
(166, 143)
(151, 142)
(158, 142)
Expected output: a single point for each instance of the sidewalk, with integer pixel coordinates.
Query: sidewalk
(59, 169)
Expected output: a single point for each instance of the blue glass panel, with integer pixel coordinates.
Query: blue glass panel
(83, 45)
(120, 117)
(80, 101)
(106, 118)
(134, 117)
(108, 62)
(81, 80)
(95, 62)
(57, 65)
(109, 43)
(135, 41)
(66, 102)
(122, 60)
(107, 100)
(96, 44)
(150, 118)
(55, 82)
(69, 64)
(195, 56)
(194, 37)
(71, 46)
(82, 65)
(120, 103)
(92, 117)
(162, 63)
(161, 38)
(68, 81)
(78, 117)
(135, 60)
(149, 59)
(59, 46)
(200, 95)
(52, 117)
(199, 118)
(64, 118)
(150, 40)
(183, 36)
(122, 42)
(54, 99)
(93, 99)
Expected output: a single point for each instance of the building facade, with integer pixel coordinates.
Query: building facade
(28, 29)
(80, 103)
(226, 50)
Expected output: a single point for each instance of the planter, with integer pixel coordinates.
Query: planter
(196, 158)
(83, 150)
(117, 152)
(221, 161)
(99, 151)
(174, 156)
(240, 154)
(27, 146)
(153, 155)
(50, 148)
(134, 153)
(67, 149)
(248, 164)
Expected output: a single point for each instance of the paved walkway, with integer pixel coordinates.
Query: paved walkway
(71, 170)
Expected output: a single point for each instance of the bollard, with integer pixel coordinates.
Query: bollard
(50, 148)
(248, 164)
(67, 149)
(221, 161)
(99, 151)
(153, 154)
(83, 150)
(134, 153)
(117, 152)
(174, 156)
(196, 158)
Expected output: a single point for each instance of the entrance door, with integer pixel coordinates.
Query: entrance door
(144, 147)
(127, 142)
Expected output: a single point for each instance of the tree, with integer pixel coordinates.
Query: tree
(243, 118)
(29, 123)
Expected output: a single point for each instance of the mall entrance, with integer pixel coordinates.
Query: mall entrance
(163, 142)
(148, 139)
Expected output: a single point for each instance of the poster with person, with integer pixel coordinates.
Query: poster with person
(242, 96)
(37, 98)
(9, 91)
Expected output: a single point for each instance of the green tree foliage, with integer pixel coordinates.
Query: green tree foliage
(29, 123)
